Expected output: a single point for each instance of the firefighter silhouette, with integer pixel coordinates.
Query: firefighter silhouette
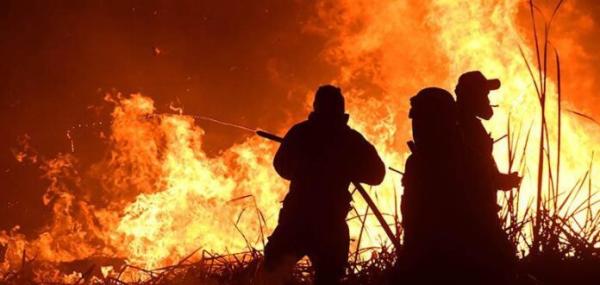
(489, 245)
(433, 216)
(452, 232)
(320, 157)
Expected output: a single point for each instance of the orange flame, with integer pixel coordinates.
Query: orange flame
(156, 196)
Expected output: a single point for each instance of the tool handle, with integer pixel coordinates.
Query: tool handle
(269, 136)
(386, 228)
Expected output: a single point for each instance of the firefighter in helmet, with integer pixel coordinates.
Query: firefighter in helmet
(433, 198)
(321, 157)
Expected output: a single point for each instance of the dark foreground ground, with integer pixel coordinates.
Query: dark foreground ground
(242, 269)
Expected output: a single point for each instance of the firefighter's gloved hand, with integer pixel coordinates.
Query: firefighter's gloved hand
(507, 182)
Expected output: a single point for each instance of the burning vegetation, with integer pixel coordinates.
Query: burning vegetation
(157, 208)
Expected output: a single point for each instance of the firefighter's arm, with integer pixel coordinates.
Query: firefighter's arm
(286, 158)
(507, 182)
(367, 167)
(502, 181)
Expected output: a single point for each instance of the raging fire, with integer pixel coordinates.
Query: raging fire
(156, 196)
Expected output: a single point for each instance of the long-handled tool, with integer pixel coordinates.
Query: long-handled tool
(276, 138)
(357, 185)
(360, 189)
